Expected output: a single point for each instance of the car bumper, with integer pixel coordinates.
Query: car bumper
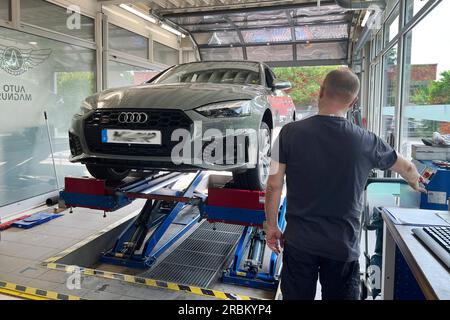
(241, 156)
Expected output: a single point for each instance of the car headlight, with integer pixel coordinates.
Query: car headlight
(226, 109)
(85, 108)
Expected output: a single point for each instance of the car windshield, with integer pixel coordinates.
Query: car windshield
(213, 72)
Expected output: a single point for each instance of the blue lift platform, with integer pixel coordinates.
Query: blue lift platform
(134, 248)
(245, 269)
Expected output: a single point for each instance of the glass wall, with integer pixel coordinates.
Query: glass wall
(424, 78)
(377, 98)
(164, 54)
(379, 43)
(374, 98)
(4, 9)
(413, 7)
(188, 56)
(127, 42)
(234, 53)
(44, 72)
(389, 94)
(392, 26)
(52, 17)
(122, 74)
(426, 107)
(42, 75)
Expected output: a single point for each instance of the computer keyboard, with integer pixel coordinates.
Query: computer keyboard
(437, 239)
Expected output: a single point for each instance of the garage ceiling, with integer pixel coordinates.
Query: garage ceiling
(281, 33)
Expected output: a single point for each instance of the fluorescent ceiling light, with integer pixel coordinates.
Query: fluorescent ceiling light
(138, 13)
(173, 30)
(366, 18)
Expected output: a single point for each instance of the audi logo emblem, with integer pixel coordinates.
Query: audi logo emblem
(133, 117)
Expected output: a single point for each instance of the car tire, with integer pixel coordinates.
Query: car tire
(106, 173)
(256, 178)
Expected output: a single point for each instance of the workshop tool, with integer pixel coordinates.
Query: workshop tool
(35, 219)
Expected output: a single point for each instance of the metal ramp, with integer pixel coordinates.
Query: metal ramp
(198, 259)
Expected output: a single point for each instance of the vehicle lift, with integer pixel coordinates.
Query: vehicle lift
(245, 207)
(134, 248)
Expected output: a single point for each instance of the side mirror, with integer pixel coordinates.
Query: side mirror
(282, 85)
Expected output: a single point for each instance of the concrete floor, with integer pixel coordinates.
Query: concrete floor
(6, 297)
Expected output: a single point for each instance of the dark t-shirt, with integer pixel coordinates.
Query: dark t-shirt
(328, 161)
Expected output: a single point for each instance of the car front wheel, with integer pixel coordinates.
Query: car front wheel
(256, 178)
(105, 173)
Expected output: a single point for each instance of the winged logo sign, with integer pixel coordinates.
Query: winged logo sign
(17, 61)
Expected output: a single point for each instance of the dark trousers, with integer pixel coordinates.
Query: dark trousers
(339, 280)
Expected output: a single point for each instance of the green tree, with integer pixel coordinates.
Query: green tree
(440, 89)
(437, 92)
(305, 81)
(420, 96)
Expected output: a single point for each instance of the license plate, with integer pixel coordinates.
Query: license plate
(131, 136)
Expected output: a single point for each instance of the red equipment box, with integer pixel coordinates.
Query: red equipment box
(233, 198)
(85, 186)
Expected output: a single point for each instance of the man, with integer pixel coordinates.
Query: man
(327, 161)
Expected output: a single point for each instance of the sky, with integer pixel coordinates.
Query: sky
(431, 38)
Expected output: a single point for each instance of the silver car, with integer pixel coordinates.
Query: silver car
(204, 115)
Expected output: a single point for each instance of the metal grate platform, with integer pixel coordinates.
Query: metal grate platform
(198, 259)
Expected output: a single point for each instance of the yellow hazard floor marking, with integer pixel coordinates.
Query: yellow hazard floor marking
(21, 295)
(150, 282)
(30, 293)
(51, 263)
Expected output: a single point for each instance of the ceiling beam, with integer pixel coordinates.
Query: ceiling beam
(293, 35)
(307, 63)
(311, 23)
(106, 2)
(239, 33)
(199, 30)
(241, 7)
(160, 3)
(281, 43)
(175, 3)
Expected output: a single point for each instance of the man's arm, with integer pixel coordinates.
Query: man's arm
(272, 205)
(409, 172)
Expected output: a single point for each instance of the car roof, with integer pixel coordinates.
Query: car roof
(221, 61)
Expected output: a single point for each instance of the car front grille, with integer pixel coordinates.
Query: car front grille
(163, 120)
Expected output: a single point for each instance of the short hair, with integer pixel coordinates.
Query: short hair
(341, 84)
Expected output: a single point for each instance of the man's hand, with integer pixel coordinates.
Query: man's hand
(274, 239)
(272, 206)
(415, 183)
(409, 172)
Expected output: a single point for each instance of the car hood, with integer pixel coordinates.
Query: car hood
(174, 96)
